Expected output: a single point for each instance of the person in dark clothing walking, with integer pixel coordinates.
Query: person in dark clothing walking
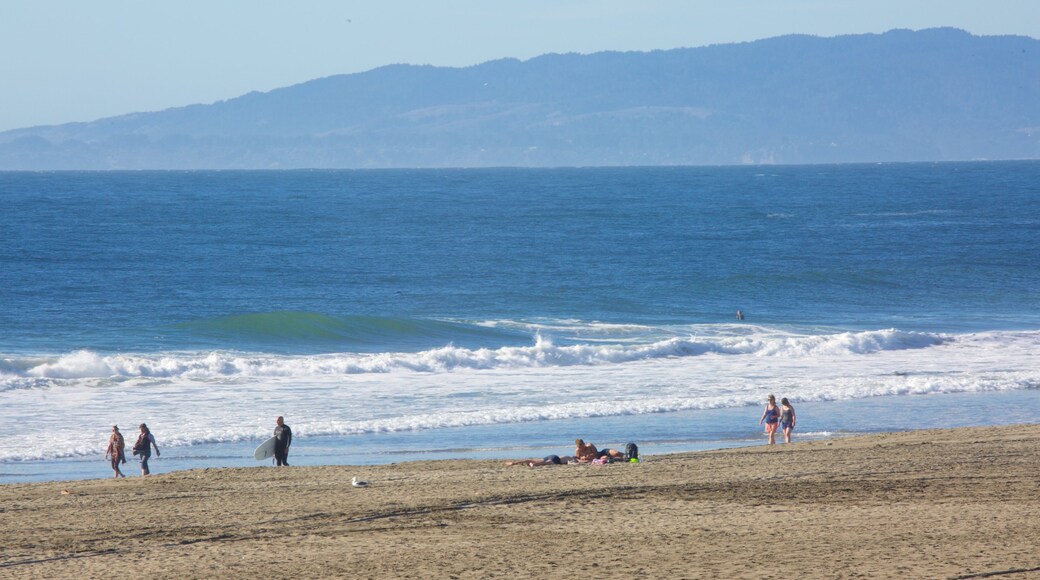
(282, 441)
(143, 448)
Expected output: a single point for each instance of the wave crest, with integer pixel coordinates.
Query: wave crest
(86, 364)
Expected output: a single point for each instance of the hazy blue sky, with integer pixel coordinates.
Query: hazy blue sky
(77, 60)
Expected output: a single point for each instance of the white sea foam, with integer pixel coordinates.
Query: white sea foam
(64, 405)
(86, 364)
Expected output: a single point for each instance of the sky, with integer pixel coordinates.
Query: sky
(77, 60)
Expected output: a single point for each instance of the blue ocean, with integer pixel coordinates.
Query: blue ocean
(393, 315)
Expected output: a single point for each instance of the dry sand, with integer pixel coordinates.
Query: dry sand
(926, 504)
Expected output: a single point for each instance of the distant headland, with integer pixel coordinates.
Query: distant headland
(930, 95)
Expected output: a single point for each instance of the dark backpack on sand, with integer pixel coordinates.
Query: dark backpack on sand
(631, 452)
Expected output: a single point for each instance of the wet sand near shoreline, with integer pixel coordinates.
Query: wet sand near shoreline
(956, 503)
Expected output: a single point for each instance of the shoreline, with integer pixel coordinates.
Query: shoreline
(686, 431)
(929, 503)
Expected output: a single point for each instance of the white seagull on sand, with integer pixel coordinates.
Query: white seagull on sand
(357, 483)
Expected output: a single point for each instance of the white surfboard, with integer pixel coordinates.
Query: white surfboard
(265, 450)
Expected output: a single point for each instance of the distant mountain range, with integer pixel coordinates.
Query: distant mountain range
(931, 95)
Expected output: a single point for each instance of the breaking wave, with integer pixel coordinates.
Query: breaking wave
(27, 371)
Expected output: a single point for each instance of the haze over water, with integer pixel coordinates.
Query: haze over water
(415, 313)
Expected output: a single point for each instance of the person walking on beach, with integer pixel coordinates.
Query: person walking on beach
(143, 448)
(770, 416)
(282, 441)
(787, 419)
(116, 451)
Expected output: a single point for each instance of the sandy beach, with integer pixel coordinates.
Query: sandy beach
(926, 504)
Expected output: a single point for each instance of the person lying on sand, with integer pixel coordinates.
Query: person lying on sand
(587, 452)
(547, 460)
(612, 454)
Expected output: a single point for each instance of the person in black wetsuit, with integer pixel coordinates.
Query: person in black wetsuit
(283, 439)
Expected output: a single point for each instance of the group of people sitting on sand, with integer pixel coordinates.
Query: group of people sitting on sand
(584, 453)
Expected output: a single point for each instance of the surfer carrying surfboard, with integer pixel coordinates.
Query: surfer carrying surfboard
(282, 441)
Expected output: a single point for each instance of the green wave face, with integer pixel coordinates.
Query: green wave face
(311, 331)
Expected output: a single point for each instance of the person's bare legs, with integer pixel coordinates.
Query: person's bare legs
(787, 435)
(527, 462)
